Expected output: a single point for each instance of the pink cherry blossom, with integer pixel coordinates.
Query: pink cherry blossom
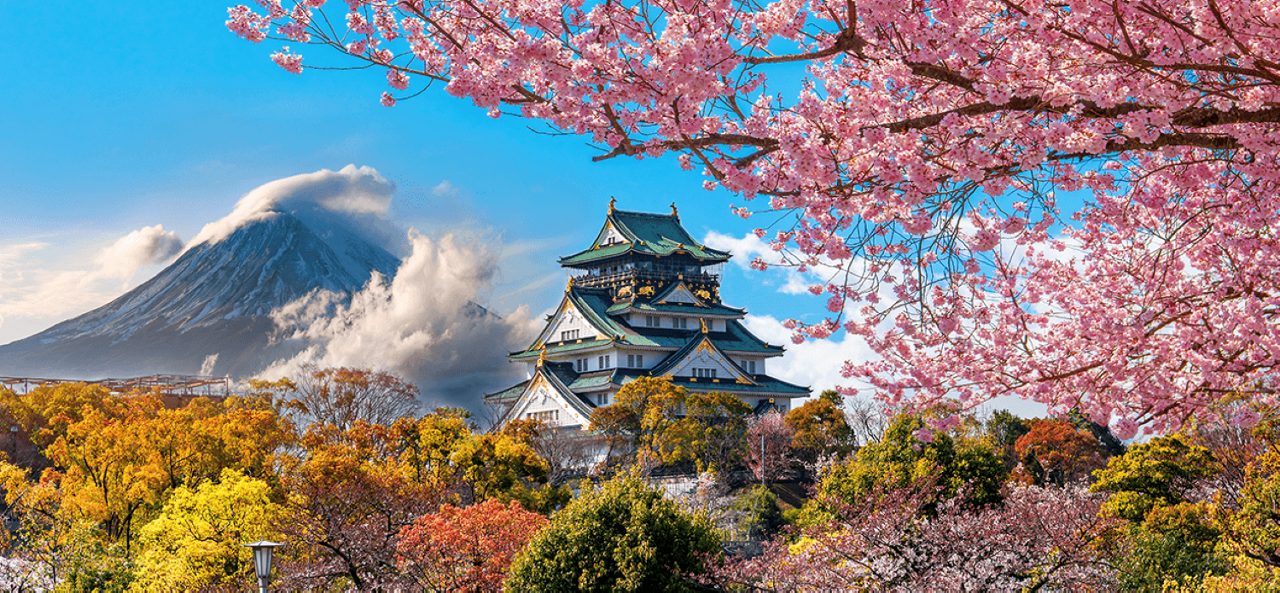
(1091, 186)
(291, 62)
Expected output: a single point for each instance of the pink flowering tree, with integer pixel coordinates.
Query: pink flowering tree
(1038, 538)
(769, 447)
(1070, 201)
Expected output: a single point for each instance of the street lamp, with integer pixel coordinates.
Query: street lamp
(262, 561)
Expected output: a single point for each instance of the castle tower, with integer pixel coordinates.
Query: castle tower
(642, 300)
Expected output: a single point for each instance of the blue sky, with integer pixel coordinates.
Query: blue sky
(117, 117)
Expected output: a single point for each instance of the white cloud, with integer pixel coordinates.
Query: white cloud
(39, 288)
(444, 188)
(354, 193)
(147, 245)
(749, 247)
(423, 324)
(815, 363)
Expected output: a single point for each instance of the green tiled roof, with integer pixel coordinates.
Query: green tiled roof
(682, 308)
(657, 235)
(764, 385)
(507, 394)
(594, 303)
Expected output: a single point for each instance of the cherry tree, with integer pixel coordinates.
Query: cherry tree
(769, 447)
(1070, 201)
(1038, 538)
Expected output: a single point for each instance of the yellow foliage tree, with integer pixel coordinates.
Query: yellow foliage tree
(196, 541)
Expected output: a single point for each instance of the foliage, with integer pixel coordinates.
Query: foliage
(921, 153)
(945, 464)
(503, 467)
(622, 537)
(197, 540)
(769, 447)
(466, 549)
(1156, 473)
(1255, 528)
(665, 424)
(351, 492)
(1005, 429)
(342, 396)
(820, 428)
(761, 514)
(1056, 452)
(1175, 543)
(1038, 538)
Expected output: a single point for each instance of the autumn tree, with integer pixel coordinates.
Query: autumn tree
(819, 428)
(1005, 428)
(710, 433)
(624, 536)
(665, 424)
(497, 466)
(196, 542)
(341, 396)
(1174, 544)
(466, 549)
(1071, 202)
(637, 404)
(351, 492)
(1056, 452)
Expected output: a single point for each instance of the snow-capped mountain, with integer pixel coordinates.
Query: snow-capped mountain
(210, 310)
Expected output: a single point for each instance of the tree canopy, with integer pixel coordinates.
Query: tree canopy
(1073, 201)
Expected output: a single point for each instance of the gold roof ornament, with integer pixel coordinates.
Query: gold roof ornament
(542, 357)
(674, 212)
(613, 204)
(569, 286)
(704, 324)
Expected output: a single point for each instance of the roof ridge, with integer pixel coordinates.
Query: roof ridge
(638, 213)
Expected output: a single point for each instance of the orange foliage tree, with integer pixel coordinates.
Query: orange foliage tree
(466, 549)
(1056, 452)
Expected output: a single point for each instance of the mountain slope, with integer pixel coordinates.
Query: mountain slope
(216, 299)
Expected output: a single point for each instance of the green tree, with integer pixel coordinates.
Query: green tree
(1152, 474)
(196, 542)
(951, 463)
(621, 537)
(1174, 544)
(1005, 429)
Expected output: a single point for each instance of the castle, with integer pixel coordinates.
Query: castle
(642, 301)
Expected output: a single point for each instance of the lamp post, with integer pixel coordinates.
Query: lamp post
(262, 551)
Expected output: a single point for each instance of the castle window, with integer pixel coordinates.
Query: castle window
(547, 416)
(652, 321)
(635, 361)
(603, 361)
(581, 365)
(680, 322)
(704, 373)
(750, 366)
(570, 334)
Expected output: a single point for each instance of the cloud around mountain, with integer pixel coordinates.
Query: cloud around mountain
(423, 324)
(355, 194)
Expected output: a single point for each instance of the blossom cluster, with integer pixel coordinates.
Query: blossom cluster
(937, 152)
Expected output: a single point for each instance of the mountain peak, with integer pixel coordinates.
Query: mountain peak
(216, 298)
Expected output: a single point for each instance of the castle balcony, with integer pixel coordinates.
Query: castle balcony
(595, 278)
